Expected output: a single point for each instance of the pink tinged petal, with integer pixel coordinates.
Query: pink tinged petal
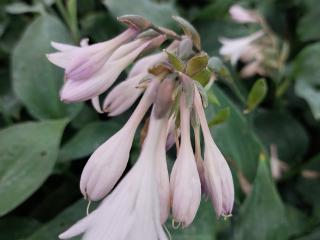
(184, 181)
(85, 65)
(218, 176)
(78, 228)
(96, 104)
(62, 47)
(132, 211)
(235, 48)
(242, 15)
(82, 90)
(123, 96)
(163, 177)
(108, 162)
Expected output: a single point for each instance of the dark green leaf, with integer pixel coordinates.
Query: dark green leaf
(88, 139)
(256, 94)
(220, 117)
(51, 230)
(307, 74)
(157, 12)
(28, 154)
(202, 228)
(36, 80)
(263, 215)
(235, 137)
(16, 228)
(272, 124)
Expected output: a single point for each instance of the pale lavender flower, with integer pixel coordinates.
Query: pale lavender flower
(237, 47)
(132, 210)
(127, 92)
(108, 162)
(82, 62)
(163, 176)
(242, 15)
(185, 184)
(100, 81)
(218, 177)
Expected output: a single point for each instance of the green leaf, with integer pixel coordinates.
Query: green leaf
(175, 61)
(17, 228)
(269, 125)
(196, 64)
(189, 30)
(28, 154)
(220, 117)
(256, 94)
(157, 12)
(88, 139)
(35, 80)
(308, 187)
(307, 29)
(314, 235)
(203, 77)
(21, 8)
(94, 25)
(235, 138)
(51, 230)
(263, 215)
(307, 74)
(202, 228)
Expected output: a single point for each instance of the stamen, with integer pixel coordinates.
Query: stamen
(88, 207)
(175, 225)
(225, 217)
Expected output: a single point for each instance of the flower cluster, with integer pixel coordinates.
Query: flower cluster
(262, 51)
(172, 85)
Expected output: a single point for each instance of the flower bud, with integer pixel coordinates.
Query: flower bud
(185, 184)
(135, 21)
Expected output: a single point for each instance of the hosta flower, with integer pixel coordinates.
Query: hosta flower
(127, 92)
(140, 203)
(81, 90)
(235, 48)
(108, 162)
(82, 62)
(132, 210)
(184, 181)
(242, 15)
(218, 177)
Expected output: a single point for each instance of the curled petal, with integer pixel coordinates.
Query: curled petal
(82, 90)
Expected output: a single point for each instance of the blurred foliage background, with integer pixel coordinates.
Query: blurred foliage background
(45, 143)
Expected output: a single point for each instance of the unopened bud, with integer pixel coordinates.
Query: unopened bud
(185, 48)
(164, 99)
(135, 21)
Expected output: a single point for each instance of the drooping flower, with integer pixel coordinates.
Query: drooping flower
(100, 81)
(82, 62)
(242, 15)
(127, 92)
(235, 48)
(218, 177)
(184, 180)
(108, 162)
(132, 210)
